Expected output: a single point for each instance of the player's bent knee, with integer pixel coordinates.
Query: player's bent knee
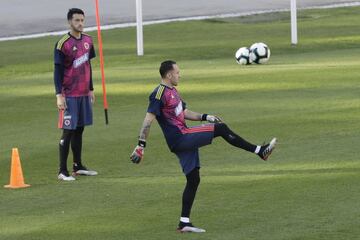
(220, 129)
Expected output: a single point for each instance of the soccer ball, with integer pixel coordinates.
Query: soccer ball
(259, 53)
(242, 56)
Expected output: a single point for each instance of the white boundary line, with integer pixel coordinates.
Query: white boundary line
(133, 24)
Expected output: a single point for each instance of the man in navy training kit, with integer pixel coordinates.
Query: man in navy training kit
(74, 92)
(170, 111)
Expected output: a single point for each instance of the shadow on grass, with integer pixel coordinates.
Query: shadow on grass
(287, 172)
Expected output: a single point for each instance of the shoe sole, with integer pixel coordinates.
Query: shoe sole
(77, 173)
(191, 230)
(67, 180)
(272, 145)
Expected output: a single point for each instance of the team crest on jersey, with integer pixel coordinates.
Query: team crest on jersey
(86, 45)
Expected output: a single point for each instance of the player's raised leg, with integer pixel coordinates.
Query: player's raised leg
(264, 151)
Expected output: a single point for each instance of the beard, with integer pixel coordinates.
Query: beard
(77, 29)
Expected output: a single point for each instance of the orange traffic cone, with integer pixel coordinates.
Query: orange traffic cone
(16, 175)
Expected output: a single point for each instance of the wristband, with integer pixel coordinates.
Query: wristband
(203, 117)
(142, 143)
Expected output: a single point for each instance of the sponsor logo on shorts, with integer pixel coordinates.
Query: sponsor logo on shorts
(67, 122)
(81, 60)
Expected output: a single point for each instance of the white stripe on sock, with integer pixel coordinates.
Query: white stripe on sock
(257, 150)
(184, 219)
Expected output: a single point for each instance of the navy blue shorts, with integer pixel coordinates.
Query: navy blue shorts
(77, 114)
(187, 149)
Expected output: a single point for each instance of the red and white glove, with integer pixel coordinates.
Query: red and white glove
(138, 152)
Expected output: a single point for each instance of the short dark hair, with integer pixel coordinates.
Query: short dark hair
(165, 67)
(73, 11)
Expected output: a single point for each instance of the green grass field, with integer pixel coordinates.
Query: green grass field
(307, 96)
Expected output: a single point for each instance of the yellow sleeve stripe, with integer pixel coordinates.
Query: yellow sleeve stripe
(159, 92)
(61, 41)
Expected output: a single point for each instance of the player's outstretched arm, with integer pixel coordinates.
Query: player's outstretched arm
(194, 116)
(138, 152)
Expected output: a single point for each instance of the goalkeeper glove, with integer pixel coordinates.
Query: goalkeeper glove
(211, 118)
(138, 152)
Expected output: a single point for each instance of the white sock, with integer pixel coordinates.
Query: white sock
(257, 150)
(184, 219)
